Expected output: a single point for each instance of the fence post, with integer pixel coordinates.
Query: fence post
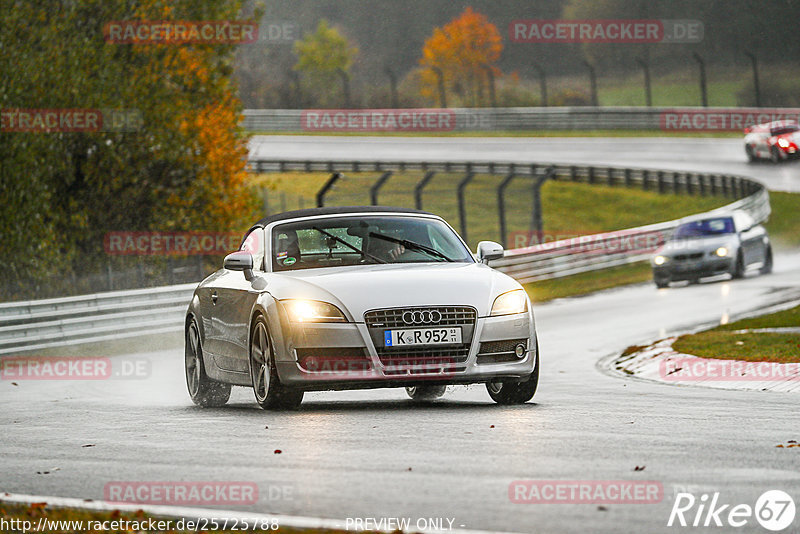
(373, 191)
(538, 223)
(645, 179)
(628, 180)
(689, 184)
(610, 177)
(573, 173)
(675, 182)
(419, 186)
(462, 210)
(325, 188)
(660, 178)
(590, 176)
(501, 205)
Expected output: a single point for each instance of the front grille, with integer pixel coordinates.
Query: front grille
(692, 256)
(393, 317)
(416, 360)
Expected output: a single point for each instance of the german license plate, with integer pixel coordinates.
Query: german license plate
(422, 336)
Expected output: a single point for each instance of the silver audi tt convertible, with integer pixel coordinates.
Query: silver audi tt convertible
(362, 297)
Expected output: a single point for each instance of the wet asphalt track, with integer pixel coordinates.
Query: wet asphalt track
(375, 454)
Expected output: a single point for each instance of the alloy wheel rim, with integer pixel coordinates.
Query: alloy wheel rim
(260, 355)
(193, 361)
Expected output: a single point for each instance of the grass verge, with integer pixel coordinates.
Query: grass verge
(724, 343)
(584, 283)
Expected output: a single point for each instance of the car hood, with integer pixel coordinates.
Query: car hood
(366, 287)
(703, 244)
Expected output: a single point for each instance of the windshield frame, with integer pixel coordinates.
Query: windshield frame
(268, 241)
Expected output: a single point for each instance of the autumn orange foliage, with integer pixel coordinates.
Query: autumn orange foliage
(463, 49)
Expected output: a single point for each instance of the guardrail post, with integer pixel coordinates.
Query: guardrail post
(538, 224)
(373, 191)
(573, 173)
(660, 178)
(590, 176)
(628, 178)
(325, 188)
(462, 210)
(645, 180)
(610, 177)
(675, 182)
(689, 184)
(501, 205)
(420, 186)
(725, 186)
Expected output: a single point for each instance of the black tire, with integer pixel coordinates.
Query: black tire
(425, 393)
(751, 157)
(767, 267)
(661, 281)
(774, 155)
(738, 268)
(507, 392)
(203, 391)
(269, 392)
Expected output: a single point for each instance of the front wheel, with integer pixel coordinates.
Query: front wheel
(661, 281)
(203, 391)
(751, 157)
(738, 268)
(425, 393)
(775, 155)
(507, 392)
(767, 268)
(269, 392)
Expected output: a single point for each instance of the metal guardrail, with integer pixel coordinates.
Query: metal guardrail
(37, 325)
(546, 118)
(42, 324)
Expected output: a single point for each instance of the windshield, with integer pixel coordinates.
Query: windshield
(358, 240)
(706, 227)
(785, 129)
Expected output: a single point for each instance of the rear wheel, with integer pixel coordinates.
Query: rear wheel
(203, 391)
(507, 392)
(425, 393)
(269, 392)
(767, 267)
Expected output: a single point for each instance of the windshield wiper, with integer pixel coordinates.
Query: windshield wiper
(348, 245)
(412, 245)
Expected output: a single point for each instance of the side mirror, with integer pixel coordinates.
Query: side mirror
(239, 261)
(489, 250)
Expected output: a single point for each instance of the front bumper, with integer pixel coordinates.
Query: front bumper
(687, 270)
(344, 356)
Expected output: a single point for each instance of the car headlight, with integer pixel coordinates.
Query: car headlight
(721, 252)
(784, 143)
(515, 301)
(660, 260)
(313, 311)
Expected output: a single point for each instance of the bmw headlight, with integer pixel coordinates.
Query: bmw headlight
(783, 143)
(313, 311)
(721, 252)
(515, 301)
(660, 260)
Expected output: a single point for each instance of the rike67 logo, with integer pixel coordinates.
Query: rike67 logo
(774, 510)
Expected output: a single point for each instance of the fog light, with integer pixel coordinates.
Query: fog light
(519, 350)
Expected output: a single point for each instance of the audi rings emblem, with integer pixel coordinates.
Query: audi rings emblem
(422, 316)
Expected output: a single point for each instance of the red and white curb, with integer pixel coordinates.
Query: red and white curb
(190, 513)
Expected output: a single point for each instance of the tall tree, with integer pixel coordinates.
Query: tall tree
(325, 57)
(464, 51)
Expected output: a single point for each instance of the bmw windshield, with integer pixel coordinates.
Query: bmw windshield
(340, 241)
(704, 228)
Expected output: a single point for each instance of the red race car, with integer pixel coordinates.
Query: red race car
(776, 141)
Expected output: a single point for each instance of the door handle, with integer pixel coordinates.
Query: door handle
(214, 297)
